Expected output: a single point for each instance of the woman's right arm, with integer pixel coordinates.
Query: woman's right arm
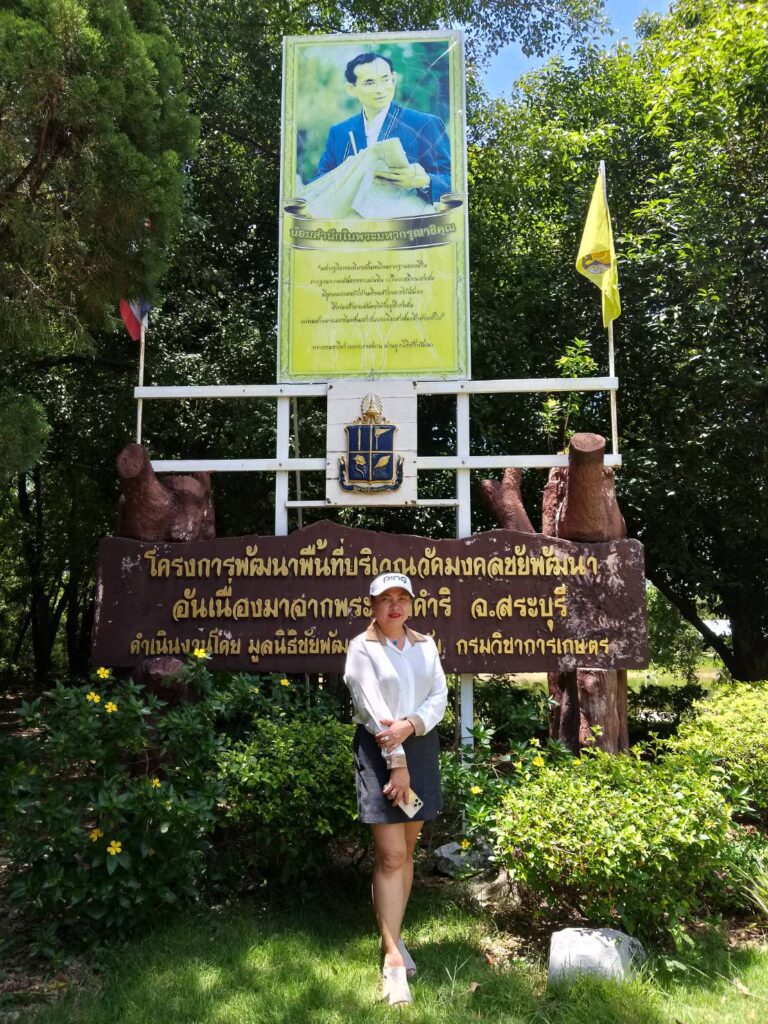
(361, 681)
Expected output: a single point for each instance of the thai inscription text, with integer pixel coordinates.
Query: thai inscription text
(495, 602)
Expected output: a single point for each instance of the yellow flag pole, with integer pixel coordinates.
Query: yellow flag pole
(611, 361)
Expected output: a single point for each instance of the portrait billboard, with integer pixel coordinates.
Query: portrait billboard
(373, 210)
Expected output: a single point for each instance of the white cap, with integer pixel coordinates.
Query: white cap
(390, 581)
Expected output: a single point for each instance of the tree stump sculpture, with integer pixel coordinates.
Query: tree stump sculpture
(506, 502)
(176, 508)
(579, 504)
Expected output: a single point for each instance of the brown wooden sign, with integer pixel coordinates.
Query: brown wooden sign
(496, 602)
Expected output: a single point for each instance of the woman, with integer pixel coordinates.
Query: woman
(399, 695)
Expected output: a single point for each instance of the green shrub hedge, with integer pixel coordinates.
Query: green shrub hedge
(117, 804)
(109, 805)
(641, 844)
(730, 726)
(289, 788)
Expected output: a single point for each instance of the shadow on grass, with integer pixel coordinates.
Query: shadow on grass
(317, 962)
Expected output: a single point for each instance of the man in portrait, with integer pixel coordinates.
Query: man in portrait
(426, 168)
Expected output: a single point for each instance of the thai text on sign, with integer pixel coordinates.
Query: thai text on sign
(497, 602)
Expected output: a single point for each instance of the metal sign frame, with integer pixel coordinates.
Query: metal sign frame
(462, 463)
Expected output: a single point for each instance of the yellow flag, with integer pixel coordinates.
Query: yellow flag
(597, 257)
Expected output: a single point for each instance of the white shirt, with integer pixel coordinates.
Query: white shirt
(385, 682)
(373, 127)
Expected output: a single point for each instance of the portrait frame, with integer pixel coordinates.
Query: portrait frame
(373, 276)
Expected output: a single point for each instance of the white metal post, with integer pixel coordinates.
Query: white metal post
(464, 529)
(295, 410)
(139, 404)
(283, 455)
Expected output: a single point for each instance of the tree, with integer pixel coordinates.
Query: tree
(681, 123)
(215, 314)
(93, 130)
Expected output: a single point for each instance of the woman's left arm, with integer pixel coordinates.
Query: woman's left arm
(432, 708)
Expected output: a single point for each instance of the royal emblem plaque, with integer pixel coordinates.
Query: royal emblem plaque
(371, 443)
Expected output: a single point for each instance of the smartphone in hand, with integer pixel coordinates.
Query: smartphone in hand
(413, 804)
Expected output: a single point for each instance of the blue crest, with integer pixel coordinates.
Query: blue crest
(371, 463)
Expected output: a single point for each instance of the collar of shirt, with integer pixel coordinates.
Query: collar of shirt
(373, 127)
(374, 633)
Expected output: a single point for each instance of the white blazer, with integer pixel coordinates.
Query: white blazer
(393, 684)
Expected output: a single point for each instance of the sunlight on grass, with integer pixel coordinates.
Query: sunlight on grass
(318, 963)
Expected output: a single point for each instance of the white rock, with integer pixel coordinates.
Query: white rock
(602, 951)
(451, 860)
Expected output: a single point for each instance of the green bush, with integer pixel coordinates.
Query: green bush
(730, 725)
(619, 839)
(117, 803)
(289, 789)
(656, 710)
(513, 713)
(474, 781)
(109, 803)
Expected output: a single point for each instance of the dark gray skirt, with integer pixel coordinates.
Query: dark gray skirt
(372, 774)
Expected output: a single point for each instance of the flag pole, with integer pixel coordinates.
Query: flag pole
(139, 403)
(611, 361)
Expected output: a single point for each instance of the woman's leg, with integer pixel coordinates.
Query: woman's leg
(389, 886)
(392, 881)
(412, 830)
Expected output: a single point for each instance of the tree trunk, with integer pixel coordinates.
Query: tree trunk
(77, 608)
(580, 504)
(31, 513)
(749, 660)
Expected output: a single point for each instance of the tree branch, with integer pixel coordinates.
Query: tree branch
(687, 609)
(36, 158)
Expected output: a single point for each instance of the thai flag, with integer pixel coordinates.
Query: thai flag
(135, 314)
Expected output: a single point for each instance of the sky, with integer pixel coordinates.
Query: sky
(510, 62)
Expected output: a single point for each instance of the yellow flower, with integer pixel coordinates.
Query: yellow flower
(577, 760)
(475, 790)
(114, 848)
(254, 689)
(538, 761)
(284, 682)
(102, 673)
(95, 834)
(200, 652)
(519, 765)
(465, 844)
(110, 706)
(534, 742)
(156, 783)
(94, 698)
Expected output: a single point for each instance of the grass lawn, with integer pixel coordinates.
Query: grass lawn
(707, 673)
(317, 962)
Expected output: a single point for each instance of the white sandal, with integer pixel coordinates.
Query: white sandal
(410, 966)
(394, 985)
